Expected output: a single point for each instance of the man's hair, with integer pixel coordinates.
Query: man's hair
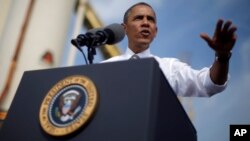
(125, 17)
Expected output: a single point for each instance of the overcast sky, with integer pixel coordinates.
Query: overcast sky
(180, 23)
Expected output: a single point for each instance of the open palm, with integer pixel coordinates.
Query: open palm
(224, 37)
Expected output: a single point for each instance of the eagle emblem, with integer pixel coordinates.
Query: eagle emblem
(69, 105)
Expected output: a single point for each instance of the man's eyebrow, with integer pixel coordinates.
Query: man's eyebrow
(138, 16)
(151, 18)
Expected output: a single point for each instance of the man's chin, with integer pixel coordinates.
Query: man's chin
(145, 41)
(143, 45)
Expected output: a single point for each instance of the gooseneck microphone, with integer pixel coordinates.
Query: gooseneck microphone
(97, 37)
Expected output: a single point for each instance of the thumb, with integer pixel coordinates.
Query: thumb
(205, 37)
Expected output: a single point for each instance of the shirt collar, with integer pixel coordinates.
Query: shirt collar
(146, 53)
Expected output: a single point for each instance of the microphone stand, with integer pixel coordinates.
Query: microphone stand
(91, 49)
(91, 53)
(89, 43)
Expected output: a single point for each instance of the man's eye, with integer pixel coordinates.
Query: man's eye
(138, 17)
(151, 19)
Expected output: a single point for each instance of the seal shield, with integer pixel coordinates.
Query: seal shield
(68, 105)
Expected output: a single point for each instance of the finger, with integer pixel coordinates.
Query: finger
(232, 43)
(232, 30)
(226, 27)
(205, 37)
(218, 27)
(234, 38)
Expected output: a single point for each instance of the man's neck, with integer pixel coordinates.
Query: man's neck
(138, 49)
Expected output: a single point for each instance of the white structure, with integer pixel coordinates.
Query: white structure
(30, 30)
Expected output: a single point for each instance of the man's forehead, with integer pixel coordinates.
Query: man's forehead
(140, 9)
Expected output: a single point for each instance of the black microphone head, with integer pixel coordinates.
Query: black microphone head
(94, 30)
(115, 33)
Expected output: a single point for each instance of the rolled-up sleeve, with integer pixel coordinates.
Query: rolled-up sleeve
(189, 82)
(211, 87)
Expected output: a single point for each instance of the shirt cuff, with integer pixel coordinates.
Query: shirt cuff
(213, 88)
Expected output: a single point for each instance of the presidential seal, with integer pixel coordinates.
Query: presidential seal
(68, 105)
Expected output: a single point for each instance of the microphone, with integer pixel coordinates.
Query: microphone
(96, 37)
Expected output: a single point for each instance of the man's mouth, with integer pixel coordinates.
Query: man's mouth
(145, 32)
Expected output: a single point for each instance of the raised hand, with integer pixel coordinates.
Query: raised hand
(224, 37)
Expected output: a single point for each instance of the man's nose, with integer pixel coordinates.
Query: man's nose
(145, 22)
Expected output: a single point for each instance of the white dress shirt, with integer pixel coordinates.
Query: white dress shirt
(184, 80)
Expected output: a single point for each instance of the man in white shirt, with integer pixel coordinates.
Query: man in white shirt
(140, 26)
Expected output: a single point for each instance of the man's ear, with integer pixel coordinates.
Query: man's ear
(156, 31)
(124, 27)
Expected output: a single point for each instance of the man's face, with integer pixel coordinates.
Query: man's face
(140, 27)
